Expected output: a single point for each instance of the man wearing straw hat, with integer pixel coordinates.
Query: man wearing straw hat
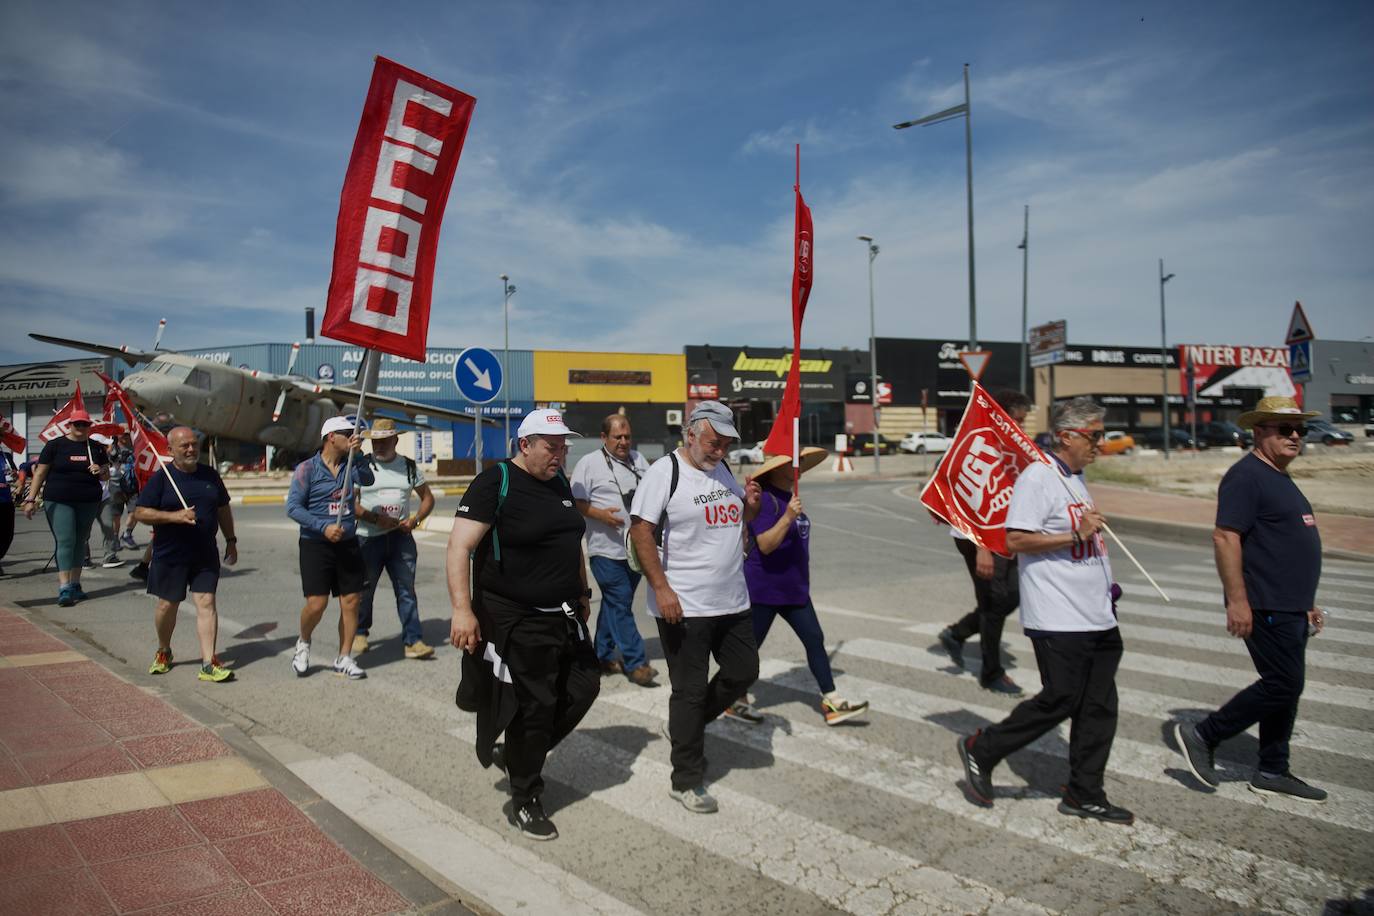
(1269, 557)
(1066, 608)
(385, 523)
(187, 505)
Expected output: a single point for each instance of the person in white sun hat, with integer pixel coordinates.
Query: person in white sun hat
(530, 672)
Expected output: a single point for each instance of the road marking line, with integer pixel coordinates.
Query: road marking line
(1324, 594)
(1158, 853)
(507, 876)
(1213, 599)
(891, 542)
(1317, 736)
(1336, 629)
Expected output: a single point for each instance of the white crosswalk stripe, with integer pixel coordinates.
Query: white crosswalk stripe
(1327, 592)
(1337, 630)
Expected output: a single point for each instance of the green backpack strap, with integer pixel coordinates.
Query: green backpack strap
(500, 501)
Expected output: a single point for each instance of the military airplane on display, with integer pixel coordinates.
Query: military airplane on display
(283, 411)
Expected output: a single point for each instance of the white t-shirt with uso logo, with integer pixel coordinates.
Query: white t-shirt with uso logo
(1067, 590)
(703, 556)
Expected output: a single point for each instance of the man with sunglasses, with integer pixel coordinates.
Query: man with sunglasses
(1269, 558)
(603, 486)
(1068, 615)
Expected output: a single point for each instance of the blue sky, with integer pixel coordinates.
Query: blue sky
(630, 166)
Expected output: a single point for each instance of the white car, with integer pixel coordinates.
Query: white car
(925, 443)
(747, 454)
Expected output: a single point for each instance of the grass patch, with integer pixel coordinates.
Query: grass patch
(1100, 472)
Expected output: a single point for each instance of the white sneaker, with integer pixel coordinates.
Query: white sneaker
(345, 666)
(300, 661)
(696, 800)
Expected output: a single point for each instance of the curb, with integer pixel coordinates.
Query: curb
(279, 499)
(425, 895)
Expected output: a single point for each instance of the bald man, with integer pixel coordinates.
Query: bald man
(187, 506)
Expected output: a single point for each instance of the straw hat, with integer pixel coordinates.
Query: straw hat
(1274, 408)
(810, 457)
(382, 428)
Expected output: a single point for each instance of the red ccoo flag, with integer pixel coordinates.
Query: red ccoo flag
(781, 440)
(150, 446)
(392, 203)
(58, 425)
(10, 437)
(971, 487)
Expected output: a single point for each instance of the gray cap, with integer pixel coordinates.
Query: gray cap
(718, 415)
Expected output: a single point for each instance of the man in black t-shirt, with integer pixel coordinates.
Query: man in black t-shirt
(1269, 557)
(530, 671)
(188, 505)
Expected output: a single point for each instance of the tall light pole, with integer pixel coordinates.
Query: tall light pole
(872, 347)
(965, 112)
(508, 290)
(1164, 354)
(1025, 277)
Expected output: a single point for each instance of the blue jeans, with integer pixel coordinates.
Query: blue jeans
(396, 553)
(802, 619)
(615, 623)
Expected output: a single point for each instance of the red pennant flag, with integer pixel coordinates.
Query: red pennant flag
(971, 487)
(780, 437)
(150, 446)
(10, 437)
(393, 200)
(58, 425)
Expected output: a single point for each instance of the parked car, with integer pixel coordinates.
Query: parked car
(1217, 433)
(922, 443)
(1178, 438)
(747, 454)
(1117, 443)
(1369, 430)
(863, 445)
(1321, 430)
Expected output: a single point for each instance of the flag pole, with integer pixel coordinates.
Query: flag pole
(796, 456)
(369, 379)
(1116, 540)
(173, 481)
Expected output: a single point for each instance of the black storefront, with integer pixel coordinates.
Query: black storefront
(927, 372)
(751, 380)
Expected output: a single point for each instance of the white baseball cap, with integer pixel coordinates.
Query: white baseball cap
(340, 424)
(544, 422)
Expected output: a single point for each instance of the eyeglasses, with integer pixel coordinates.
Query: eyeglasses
(80, 424)
(1092, 435)
(1286, 429)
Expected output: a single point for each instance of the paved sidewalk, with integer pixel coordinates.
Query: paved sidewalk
(114, 801)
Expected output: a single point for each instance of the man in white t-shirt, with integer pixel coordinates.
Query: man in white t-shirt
(603, 486)
(385, 524)
(691, 504)
(1068, 613)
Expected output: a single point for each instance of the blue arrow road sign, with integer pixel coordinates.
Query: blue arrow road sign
(477, 373)
(1300, 361)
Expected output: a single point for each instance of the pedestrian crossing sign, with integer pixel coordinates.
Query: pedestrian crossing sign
(1300, 361)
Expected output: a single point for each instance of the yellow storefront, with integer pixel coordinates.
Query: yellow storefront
(648, 388)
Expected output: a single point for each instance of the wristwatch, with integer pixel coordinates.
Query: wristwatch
(231, 540)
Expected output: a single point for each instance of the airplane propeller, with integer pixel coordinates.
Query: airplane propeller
(290, 364)
(157, 341)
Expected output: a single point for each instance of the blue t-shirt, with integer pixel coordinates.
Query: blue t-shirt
(1281, 550)
(783, 576)
(205, 492)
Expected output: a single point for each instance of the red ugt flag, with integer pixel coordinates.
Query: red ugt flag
(10, 437)
(393, 200)
(780, 436)
(971, 488)
(150, 446)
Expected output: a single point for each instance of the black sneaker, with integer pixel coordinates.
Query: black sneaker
(1102, 811)
(977, 783)
(1006, 685)
(498, 756)
(1286, 784)
(1200, 757)
(139, 572)
(953, 646)
(531, 820)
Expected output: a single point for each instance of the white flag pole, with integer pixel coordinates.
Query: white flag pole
(1126, 550)
(173, 481)
(369, 374)
(796, 456)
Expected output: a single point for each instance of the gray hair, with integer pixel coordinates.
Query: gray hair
(1076, 414)
(696, 427)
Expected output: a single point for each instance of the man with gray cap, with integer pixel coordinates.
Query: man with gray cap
(687, 526)
(330, 559)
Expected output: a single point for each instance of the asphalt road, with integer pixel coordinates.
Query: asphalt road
(863, 818)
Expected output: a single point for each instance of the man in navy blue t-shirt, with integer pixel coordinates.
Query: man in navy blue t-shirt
(1269, 557)
(187, 505)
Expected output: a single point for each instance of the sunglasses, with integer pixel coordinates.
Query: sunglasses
(1092, 435)
(1286, 429)
(80, 424)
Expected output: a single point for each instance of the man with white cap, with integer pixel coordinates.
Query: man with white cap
(691, 505)
(330, 559)
(530, 659)
(385, 523)
(1269, 558)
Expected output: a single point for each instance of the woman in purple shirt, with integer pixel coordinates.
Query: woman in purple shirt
(778, 573)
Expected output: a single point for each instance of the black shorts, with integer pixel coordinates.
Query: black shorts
(332, 569)
(170, 578)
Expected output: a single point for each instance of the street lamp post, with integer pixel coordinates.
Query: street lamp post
(872, 347)
(509, 291)
(965, 112)
(1025, 277)
(1164, 355)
